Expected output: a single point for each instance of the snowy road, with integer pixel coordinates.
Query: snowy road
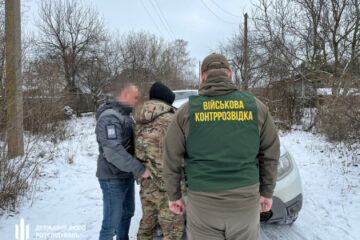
(69, 205)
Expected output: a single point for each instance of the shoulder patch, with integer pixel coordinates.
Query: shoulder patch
(111, 131)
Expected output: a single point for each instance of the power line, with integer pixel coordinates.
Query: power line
(161, 20)
(216, 14)
(224, 10)
(162, 14)
(152, 19)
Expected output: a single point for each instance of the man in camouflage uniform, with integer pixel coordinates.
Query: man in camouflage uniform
(152, 121)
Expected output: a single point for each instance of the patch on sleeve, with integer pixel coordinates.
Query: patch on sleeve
(110, 132)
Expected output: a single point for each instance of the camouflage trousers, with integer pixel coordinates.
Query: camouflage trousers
(156, 213)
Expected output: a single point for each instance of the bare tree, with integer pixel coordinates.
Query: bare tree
(139, 55)
(146, 58)
(43, 77)
(101, 70)
(355, 41)
(71, 31)
(183, 64)
(301, 45)
(319, 36)
(257, 61)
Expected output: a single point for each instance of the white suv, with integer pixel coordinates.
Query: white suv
(287, 199)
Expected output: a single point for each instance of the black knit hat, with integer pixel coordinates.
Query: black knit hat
(162, 92)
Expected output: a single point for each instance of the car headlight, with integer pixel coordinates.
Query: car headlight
(285, 166)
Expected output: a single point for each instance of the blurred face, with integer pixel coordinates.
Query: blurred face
(129, 96)
(204, 75)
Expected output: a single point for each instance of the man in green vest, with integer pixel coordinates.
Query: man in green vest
(231, 149)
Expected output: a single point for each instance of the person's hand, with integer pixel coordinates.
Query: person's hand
(146, 174)
(178, 206)
(265, 204)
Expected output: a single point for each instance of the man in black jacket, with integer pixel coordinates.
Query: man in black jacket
(116, 164)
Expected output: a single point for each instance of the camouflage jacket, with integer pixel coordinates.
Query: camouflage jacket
(152, 121)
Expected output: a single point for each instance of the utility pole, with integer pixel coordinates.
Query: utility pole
(245, 84)
(13, 86)
(199, 72)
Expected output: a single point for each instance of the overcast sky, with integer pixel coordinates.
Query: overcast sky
(203, 23)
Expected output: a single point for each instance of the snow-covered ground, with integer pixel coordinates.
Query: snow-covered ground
(331, 189)
(69, 203)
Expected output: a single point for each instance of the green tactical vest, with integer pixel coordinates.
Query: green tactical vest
(223, 142)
